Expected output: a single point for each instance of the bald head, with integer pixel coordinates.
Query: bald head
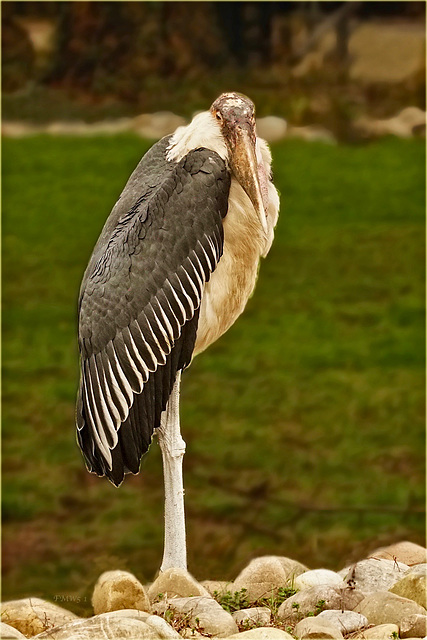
(233, 107)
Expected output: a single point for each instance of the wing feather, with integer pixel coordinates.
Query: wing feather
(117, 396)
(119, 375)
(180, 291)
(108, 422)
(163, 324)
(135, 355)
(210, 260)
(173, 300)
(143, 347)
(193, 271)
(99, 437)
(106, 388)
(189, 284)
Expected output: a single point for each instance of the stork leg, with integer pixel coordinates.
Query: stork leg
(173, 448)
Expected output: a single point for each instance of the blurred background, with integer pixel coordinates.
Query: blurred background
(305, 422)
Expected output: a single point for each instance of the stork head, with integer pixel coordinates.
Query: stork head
(235, 114)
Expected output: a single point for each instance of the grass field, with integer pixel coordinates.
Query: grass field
(304, 423)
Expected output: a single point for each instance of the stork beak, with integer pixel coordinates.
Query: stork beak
(243, 163)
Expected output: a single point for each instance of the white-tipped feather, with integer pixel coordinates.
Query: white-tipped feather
(167, 327)
(198, 275)
(106, 400)
(190, 302)
(209, 259)
(177, 300)
(161, 359)
(187, 276)
(93, 418)
(123, 379)
(214, 251)
(142, 367)
(137, 373)
(121, 398)
(153, 366)
(166, 330)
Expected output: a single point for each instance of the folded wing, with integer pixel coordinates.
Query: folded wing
(139, 302)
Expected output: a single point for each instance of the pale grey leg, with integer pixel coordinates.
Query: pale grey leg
(173, 448)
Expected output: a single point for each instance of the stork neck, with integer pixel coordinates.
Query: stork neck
(203, 131)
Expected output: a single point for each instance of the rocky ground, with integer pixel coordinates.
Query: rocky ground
(409, 122)
(380, 597)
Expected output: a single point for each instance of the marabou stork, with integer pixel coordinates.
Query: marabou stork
(173, 268)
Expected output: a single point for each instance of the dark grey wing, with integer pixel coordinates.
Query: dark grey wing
(139, 304)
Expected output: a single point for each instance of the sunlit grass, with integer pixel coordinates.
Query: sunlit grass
(313, 400)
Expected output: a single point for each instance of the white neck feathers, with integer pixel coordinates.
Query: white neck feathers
(203, 131)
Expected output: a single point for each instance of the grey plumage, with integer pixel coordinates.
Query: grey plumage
(139, 302)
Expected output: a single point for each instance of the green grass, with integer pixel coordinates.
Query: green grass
(304, 423)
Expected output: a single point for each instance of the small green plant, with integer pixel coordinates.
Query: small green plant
(274, 601)
(181, 621)
(319, 607)
(178, 621)
(232, 601)
(247, 625)
(395, 635)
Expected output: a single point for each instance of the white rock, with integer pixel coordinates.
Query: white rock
(402, 126)
(346, 621)
(271, 128)
(220, 586)
(212, 618)
(379, 632)
(11, 129)
(407, 552)
(384, 607)
(316, 577)
(163, 629)
(176, 582)
(80, 128)
(103, 626)
(414, 626)
(312, 133)
(9, 633)
(262, 633)
(190, 633)
(412, 586)
(307, 601)
(263, 576)
(417, 570)
(259, 615)
(156, 125)
(315, 628)
(126, 623)
(373, 575)
(33, 615)
(119, 590)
